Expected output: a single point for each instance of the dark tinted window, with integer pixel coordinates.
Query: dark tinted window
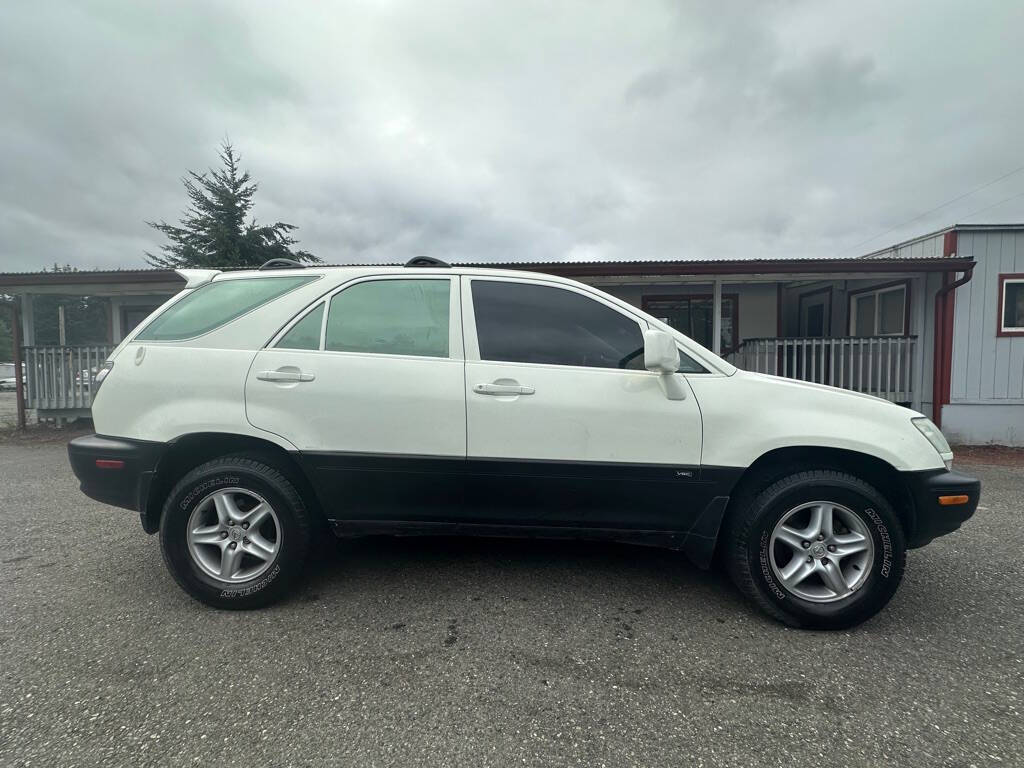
(525, 323)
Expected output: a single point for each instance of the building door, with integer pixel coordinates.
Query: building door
(815, 321)
(815, 313)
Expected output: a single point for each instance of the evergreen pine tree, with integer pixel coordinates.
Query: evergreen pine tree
(214, 232)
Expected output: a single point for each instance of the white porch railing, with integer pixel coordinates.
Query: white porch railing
(877, 365)
(62, 378)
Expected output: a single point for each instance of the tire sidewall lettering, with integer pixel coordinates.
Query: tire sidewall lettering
(766, 568)
(883, 534)
(202, 488)
(250, 589)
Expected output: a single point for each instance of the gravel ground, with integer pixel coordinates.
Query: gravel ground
(482, 652)
(8, 409)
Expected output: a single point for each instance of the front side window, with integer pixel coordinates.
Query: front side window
(1011, 305)
(529, 323)
(880, 312)
(215, 304)
(391, 317)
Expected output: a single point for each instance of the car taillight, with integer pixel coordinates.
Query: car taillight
(101, 374)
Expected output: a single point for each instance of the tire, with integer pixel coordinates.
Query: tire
(217, 505)
(760, 544)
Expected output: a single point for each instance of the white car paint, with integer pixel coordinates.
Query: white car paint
(389, 404)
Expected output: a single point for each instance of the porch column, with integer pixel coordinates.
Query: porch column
(716, 325)
(918, 299)
(28, 321)
(114, 304)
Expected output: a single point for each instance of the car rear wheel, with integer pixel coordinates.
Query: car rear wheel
(818, 549)
(235, 533)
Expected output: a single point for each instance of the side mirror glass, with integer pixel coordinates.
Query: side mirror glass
(661, 355)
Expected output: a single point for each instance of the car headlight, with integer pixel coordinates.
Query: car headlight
(934, 436)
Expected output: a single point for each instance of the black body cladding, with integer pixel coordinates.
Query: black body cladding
(665, 505)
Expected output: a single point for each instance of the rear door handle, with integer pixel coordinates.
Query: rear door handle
(503, 389)
(285, 376)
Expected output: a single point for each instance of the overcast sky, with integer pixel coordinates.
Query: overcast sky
(511, 130)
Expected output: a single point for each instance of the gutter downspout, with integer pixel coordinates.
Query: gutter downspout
(943, 354)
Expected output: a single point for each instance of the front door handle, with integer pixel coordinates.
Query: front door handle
(285, 375)
(503, 388)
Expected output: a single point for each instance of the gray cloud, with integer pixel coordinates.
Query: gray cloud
(523, 131)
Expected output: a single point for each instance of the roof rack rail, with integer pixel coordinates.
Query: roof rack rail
(426, 261)
(281, 264)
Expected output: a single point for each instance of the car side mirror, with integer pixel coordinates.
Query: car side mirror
(661, 355)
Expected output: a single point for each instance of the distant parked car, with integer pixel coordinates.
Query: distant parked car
(259, 408)
(8, 381)
(85, 377)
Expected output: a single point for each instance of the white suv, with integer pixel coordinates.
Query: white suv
(256, 408)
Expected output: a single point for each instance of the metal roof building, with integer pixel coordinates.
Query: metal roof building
(929, 321)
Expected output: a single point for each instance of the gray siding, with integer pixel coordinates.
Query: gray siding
(924, 248)
(986, 368)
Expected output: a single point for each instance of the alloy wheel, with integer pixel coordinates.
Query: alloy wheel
(821, 551)
(233, 535)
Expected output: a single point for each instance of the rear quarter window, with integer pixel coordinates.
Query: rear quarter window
(215, 304)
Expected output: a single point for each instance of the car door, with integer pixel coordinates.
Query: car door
(368, 384)
(564, 425)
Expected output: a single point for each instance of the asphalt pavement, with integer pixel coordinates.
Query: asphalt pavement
(487, 652)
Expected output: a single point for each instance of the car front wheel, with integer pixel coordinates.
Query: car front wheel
(818, 549)
(234, 533)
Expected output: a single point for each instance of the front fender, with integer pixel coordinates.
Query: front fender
(747, 415)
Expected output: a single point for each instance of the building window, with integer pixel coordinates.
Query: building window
(880, 311)
(694, 315)
(1011, 305)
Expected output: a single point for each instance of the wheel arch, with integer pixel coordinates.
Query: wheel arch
(189, 451)
(780, 462)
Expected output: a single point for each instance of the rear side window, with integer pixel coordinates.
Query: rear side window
(215, 304)
(527, 323)
(305, 334)
(391, 317)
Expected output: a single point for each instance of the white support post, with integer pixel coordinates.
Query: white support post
(716, 325)
(919, 300)
(115, 320)
(28, 325)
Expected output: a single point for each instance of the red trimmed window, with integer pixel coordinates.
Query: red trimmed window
(1011, 305)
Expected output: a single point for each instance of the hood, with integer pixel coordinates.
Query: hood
(822, 390)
